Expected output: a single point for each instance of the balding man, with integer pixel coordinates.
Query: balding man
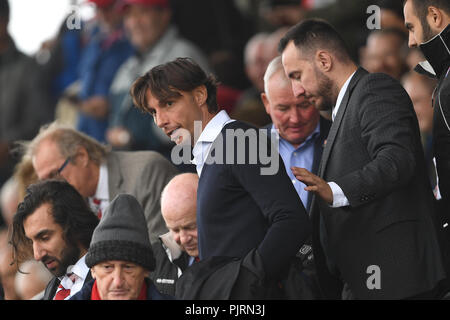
(178, 248)
(301, 129)
(99, 174)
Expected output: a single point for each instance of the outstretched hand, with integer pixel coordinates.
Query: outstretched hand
(314, 184)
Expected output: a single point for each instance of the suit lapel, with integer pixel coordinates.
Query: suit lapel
(51, 288)
(337, 121)
(115, 177)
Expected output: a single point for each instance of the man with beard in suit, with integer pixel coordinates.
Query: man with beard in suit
(373, 227)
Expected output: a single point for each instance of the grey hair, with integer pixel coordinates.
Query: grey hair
(273, 68)
(68, 140)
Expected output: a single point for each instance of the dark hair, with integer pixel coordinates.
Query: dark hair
(421, 7)
(394, 6)
(69, 210)
(4, 9)
(314, 34)
(182, 74)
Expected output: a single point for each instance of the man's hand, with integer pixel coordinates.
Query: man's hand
(314, 184)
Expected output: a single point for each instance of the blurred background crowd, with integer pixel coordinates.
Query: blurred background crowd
(82, 76)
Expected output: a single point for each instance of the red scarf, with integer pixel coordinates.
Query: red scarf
(96, 296)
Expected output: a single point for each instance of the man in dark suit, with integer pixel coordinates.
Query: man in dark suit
(428, 23)
(301, 129)
(55, 224)
(373, 224)
(99, 174)
(240, 205)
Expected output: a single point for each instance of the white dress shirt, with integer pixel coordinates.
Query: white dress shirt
(102, 191)
(80, 269)
(207, 137)
(339, 198)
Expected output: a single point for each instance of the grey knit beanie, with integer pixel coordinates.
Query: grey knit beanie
(122, 234)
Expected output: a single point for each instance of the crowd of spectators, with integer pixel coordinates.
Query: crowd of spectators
(83, 84)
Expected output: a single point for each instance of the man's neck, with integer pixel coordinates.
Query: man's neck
(207, 117)
(343, 74)
(95, 178)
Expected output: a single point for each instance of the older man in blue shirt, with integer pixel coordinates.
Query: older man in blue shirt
(301, 129)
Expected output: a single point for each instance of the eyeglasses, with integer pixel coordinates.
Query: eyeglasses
(56, 173)
(63, 165)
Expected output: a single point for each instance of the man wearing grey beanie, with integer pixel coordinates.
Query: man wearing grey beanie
(120, 256)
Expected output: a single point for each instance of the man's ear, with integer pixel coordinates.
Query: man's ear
(435, 18)
(266, 103)
(93, 273)
(82, 156)
(200, 95)
(323, 60)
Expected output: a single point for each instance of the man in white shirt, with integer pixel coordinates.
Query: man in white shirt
(56, 223)
(246, 204)
(99, 175)
(373, 230)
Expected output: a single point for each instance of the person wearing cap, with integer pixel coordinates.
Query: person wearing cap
(56, 225)
(156, 41)
(177, 249)
(120, 256)
(107, 48)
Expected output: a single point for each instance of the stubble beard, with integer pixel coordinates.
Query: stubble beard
(327, 91)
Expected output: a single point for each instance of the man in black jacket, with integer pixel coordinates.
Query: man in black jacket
(428, 24)
(373, 228)
(245, 199)
(177, 249)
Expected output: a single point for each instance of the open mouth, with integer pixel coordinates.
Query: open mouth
(50, 264)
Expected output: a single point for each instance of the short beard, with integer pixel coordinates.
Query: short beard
(426, 30)
(327, 91)
(70, 256)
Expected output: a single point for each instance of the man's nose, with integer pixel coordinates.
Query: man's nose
(294, 116)
(160, 120)
(117, 277)
(185, 237)
(412, 43)
(38, 252)
(297, 89)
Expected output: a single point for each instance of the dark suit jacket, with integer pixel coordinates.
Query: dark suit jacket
(373, 152)
(318, 149)
(143, 174)
(240, 209)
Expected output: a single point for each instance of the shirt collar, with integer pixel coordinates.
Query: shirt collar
(207, 137)
(214, 127)
(341, 96)
(437, 52)
(102, 192)
(80, 268)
